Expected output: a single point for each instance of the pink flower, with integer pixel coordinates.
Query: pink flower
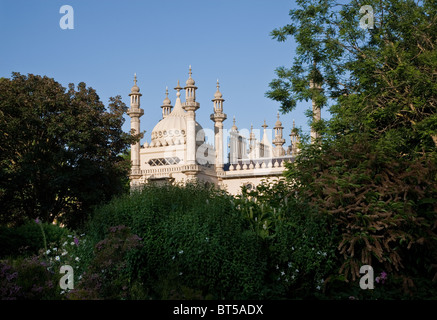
(76, 241)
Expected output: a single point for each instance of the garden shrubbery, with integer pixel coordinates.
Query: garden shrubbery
(197, 242)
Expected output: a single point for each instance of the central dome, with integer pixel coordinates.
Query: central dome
(173, 128)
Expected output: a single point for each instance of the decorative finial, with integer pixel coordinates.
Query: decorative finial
(264, 125)
(178, 89)
(166, 91)
(234, 121)
(278, 115)
(189, 72)
(294, 125)
(135, 78)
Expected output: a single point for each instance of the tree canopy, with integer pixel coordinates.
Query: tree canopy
(374, 170)
(60, 149)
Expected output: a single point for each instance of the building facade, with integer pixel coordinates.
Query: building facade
(179, 152)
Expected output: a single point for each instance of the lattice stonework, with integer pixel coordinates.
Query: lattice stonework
(164, 161)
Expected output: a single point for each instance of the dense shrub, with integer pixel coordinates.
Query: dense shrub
(301, 244)
(28, 239)
(106, 277)
(28, 278)
(384, 207)
(195, 244)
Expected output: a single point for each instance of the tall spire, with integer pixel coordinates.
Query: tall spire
(218, 117)
(278, 141)
(190, 106)
(295, 139)
(135, 112)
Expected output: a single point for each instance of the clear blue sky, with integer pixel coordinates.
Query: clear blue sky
(111, 40)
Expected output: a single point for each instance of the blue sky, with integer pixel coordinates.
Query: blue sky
(158, 40)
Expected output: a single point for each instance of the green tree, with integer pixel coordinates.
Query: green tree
(60, 149)
(382, 81)
(374, 171)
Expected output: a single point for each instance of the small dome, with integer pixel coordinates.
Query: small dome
(135, 88)
(278, 122)
(218, 94)
(190, 81)
(166, 101)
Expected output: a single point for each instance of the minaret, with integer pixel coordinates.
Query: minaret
(278, 141)
(317, 116)
(135, 112)
(166, 105)
(218, 117)
(294, 140)
(190, 105)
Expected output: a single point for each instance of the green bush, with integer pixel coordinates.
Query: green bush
(195, 244)
(28, 278)
(301, 244)
(28, 239)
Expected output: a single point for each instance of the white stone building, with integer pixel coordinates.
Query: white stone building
(178, 151)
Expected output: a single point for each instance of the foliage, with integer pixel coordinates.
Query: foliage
(107, 276)
(27, 239)
(384, 208)
(28, 279)
(194, 242)
(59, 150)
(301, 248)
(379, 81)
(373, 172)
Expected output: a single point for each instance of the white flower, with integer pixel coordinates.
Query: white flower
(289, 264)
(55, 249)
(57, 258)
(277, 267)
(48, 251)
(64, 244)
(180, 273)
(286, 279)
(64, 253)
(282, 273)
(318, 287)
(297, 270)
(182, 251)
(77, 259)
(173, 257)
(62, 292)
(69, 236)
(72, 243)
(292, 248)
(82, 234)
